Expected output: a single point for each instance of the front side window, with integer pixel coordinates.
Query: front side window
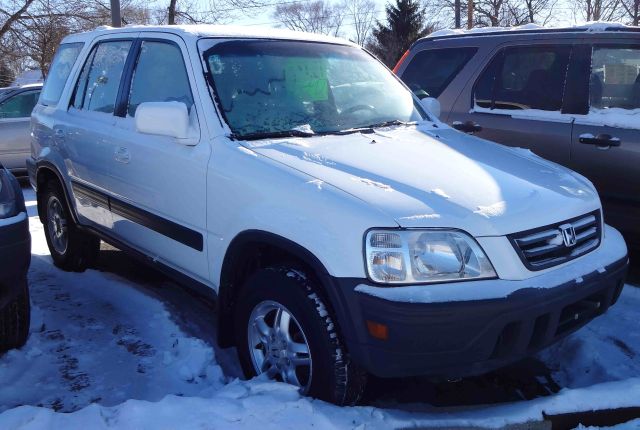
(525, 78)
(97, 87)
(20, 105)
(429, 72)
(59, 71)
(615, 78)
(267, 87)
(160, 76)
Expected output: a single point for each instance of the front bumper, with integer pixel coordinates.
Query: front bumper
(15, 256)
(430, 336)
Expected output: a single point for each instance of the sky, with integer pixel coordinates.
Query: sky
(264, 17)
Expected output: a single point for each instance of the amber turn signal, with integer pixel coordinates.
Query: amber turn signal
(377, 330)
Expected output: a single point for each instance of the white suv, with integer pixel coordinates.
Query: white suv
(342, 228)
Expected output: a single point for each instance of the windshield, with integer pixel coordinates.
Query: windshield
(269, 88)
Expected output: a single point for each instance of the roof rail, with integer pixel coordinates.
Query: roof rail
(482, 32)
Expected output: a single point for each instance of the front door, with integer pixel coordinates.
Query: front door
(518, 101)
(159, 182)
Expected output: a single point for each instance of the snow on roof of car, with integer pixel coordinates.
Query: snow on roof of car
(595, 26)
(207, 30)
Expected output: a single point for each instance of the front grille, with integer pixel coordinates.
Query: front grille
(554, 244)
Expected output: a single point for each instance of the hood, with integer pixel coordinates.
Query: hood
(438, 177)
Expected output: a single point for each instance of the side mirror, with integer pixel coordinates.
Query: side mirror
(432, 105)
(163, 119)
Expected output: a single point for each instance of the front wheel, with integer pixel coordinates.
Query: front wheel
(284, 330)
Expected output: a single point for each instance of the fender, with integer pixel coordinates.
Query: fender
(234, 251)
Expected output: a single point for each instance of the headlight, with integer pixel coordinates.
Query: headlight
(8, 201)
(423, 256)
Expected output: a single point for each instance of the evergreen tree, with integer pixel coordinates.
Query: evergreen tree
(406, 22)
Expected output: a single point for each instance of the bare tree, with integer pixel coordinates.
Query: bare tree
(530, 11)
(632, 11)
(11, 12)
(317, 16)
(598, 10)
(210, 12)
(363, 16)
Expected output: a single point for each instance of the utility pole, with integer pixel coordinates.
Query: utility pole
(470, 7)
(116, 19)
(457, 7)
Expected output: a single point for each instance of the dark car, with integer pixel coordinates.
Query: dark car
(15, 257)
(570, 95)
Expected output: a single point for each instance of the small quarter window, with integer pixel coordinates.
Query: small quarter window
(160, 76)
(20, 105)
(99, 82)
(429, 72)
(615, 78)
(59, 71)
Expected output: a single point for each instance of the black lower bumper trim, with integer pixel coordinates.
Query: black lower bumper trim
(458, 339)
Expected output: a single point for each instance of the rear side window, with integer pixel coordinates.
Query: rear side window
(20, 105)
(615, 78)
(98, 84)
(429, 72)
(524, 78)
(59, 71)
(160, 76)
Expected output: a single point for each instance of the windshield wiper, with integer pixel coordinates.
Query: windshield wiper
(273, 135)
(370, 128)
(391, 123)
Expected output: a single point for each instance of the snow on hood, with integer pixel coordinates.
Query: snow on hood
(429, 177)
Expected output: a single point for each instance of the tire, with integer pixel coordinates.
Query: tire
(15, 319)
(330, 375)
(71, 249)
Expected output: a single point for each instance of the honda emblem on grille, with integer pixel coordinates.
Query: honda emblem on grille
(568, 235)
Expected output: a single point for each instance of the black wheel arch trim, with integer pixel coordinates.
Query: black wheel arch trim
(49, 166)
(335, 296)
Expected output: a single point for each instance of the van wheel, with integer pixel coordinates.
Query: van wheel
(14, 320)
(71, 249)
(283, 329)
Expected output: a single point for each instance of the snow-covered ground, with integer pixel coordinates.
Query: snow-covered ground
(111, 349)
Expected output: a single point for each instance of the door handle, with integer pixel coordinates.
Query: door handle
(121, 155)
(467, 126)
(601, 141)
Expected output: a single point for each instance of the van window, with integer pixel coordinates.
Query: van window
(20, 105)
(59, 71)
(429, 72)
(530, 77)
(98, 84)
(615, 78)
(160, 76)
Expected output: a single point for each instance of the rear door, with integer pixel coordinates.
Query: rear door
(605, 143)
(517, 99)
(15, 114)
(85, 131)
